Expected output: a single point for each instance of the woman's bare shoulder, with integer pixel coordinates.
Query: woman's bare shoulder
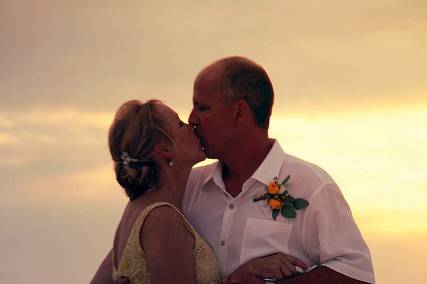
(163, 220)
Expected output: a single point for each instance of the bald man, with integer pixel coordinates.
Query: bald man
(232, 105)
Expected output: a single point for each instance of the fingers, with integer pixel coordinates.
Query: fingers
(288, 263)
(287, 268)
(277, 266)
(296, 262)
(284, 258)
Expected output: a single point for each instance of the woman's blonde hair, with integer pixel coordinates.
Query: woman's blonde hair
(136, 129)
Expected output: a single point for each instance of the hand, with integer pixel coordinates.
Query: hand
(277, 266)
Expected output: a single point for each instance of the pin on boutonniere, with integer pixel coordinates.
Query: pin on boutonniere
(280, 201)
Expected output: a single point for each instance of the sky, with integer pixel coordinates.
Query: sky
(351, 96)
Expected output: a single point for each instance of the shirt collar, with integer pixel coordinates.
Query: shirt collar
(267, 170)
(215, 174)
(271, 165)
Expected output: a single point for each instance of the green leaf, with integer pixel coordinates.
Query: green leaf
(275, 213)
(288, 212)
(286, 180)
(300, 203)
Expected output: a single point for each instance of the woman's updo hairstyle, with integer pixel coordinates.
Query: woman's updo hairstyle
(136, 129)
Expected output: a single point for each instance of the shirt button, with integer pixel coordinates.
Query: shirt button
(231, 206)
(222, 243)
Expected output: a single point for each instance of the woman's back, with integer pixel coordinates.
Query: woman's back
(157, 243)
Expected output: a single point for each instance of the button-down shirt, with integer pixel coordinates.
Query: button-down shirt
(239, 229)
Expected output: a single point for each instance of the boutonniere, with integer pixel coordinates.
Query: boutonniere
(280, 201)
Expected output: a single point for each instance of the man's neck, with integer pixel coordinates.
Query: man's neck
(243, 162)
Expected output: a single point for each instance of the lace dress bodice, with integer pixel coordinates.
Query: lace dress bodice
(133, 263)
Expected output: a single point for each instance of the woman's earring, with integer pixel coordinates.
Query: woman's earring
(170, 163)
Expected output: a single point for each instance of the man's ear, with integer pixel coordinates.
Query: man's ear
(242, 111)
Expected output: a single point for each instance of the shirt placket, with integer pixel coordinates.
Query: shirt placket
(224, 240)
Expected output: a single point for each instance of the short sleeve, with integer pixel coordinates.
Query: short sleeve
(332, 237)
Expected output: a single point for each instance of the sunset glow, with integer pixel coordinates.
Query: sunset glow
(350, 95)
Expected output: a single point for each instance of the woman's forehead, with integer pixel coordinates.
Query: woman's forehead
(165, 110)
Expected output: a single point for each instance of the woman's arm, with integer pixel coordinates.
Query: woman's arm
(104, 273)
(168, 247)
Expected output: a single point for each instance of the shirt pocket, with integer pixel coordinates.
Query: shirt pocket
(263, 237)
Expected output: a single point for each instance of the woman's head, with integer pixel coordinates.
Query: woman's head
(145, 136)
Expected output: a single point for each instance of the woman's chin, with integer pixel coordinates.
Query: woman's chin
(200, 156)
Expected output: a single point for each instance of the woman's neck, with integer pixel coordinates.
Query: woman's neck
(171, 184)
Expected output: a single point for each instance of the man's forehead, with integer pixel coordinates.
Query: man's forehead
(206, 88)
(211, 75)
(206, 96)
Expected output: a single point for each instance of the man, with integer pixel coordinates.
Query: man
(232, 104)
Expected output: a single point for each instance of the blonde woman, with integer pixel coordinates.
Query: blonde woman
(153, 153)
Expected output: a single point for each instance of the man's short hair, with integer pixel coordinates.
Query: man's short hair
(242, 78)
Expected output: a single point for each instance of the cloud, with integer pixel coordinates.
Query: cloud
(43, 148)
(61, 193)
(96, 55)
(377, 157)
(6, 138)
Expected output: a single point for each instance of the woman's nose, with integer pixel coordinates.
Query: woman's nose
(192, 119)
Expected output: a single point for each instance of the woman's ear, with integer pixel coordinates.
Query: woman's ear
(163, 152)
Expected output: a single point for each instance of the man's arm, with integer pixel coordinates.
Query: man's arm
(321, 275)
(325, 244)
(334, 241)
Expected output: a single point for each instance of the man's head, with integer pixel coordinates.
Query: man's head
(224, 92)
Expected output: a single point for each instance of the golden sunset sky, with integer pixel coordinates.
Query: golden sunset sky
(351, 96)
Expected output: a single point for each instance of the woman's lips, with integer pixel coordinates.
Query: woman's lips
(202, 144)
(203, 148)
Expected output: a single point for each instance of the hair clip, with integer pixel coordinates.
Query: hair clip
(126, 159)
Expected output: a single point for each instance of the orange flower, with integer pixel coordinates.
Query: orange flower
(273, 188)
(274, 204)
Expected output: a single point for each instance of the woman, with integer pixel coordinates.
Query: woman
(153, 152)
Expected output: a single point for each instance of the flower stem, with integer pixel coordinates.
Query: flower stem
(262, 197)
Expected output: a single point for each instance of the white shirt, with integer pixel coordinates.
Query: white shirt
(239, 229)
